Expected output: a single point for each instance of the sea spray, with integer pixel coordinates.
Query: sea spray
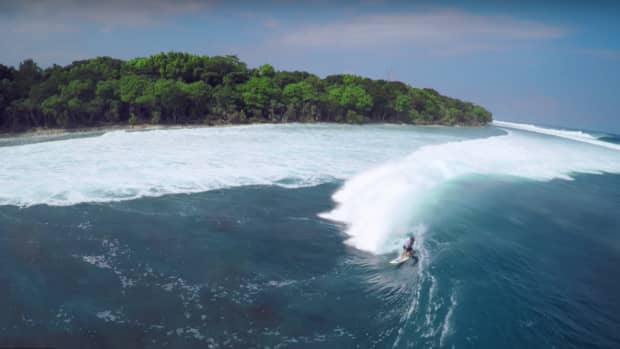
(122, 165)
(379, 205)
(575, 135)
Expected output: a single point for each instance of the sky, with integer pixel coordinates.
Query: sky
(552, 63)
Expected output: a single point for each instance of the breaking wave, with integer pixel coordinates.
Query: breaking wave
(389, 171)
(380, 205)
(122, 165)
(579, 136)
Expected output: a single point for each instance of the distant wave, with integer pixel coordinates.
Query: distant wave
(611, 139)
(579, 136)
(556, 132)
(380, 205)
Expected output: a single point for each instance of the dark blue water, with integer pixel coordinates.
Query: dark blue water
(507, 264)
(611, 138)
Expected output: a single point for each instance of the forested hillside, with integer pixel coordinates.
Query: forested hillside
(181, 88)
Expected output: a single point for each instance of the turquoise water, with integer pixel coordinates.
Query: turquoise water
(517, 236)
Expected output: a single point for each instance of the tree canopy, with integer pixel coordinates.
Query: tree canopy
(181, 88)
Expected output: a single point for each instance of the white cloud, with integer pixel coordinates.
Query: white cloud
(442, 31)
(38, 29)
(68, 15)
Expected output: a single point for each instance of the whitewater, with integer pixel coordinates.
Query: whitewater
(389, 171)
(183, 237)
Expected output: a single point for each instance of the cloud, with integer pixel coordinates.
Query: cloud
(442, 31)
(49, 31)
(31, 16)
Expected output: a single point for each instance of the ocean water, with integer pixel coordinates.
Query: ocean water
(279, 236)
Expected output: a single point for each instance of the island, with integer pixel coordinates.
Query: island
(177, 88)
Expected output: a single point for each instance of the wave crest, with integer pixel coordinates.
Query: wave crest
(381, 204)
(579, 136)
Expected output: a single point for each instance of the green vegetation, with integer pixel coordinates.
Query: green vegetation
(180, 88)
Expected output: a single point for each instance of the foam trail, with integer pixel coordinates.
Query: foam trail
(446, 330)
(378, 206)
(414, 296)
(579, 136)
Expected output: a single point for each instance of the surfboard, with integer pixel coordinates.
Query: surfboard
(399, 260)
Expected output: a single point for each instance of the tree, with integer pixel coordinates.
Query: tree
(350, 97)
(266, 70)
(300, 92)
(26, 76)
(108, 89)
(132, 87)
(170, 98)
(178, 87)
(257, 92)
(199, 96)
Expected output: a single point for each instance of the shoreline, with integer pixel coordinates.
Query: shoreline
(60, 131)
(42, 132)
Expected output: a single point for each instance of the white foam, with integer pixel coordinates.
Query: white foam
(109, 316)
(126, 165)
(446, 329)
(380, 205)
(579, 136)
(98, 261)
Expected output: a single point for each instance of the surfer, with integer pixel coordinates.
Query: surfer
(408, 253)
(408, 247)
